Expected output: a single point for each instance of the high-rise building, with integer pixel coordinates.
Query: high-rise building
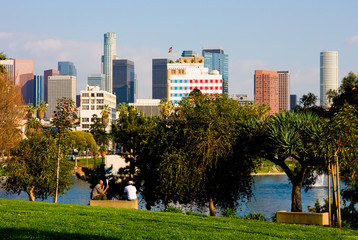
(188, 53)
(38, 89)
(328, 75)
(215, 59)
(58, 87)
(149, 107)
(67, 68)
(96, 80)
(92, 101)
(267, 89)
(284, 90)
(185, 76)
(21, 73)
(293, 101)
(160, 78)
(124, 81)
(108, 57)
(47, 73)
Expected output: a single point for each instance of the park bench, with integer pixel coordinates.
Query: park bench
(302, 218)
(115, 203)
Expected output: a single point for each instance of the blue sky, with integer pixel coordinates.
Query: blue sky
(257, 35)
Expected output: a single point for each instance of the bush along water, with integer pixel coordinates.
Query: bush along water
(255, 216)
(229, 212)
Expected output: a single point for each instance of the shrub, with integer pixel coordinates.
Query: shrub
(172, 209)
(229, 212)
(255, 216)
(274, 217)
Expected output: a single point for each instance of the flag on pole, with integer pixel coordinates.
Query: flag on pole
(170, 50)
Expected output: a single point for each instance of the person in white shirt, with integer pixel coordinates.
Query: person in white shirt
(130, 192)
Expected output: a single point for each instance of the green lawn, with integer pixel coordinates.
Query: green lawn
(28, 220)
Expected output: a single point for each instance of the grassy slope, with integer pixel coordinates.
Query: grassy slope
(22, 219)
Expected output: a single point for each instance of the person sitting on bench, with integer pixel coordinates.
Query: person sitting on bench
(130, 192)
(98, 192)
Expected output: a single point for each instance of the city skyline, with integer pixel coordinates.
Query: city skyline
(281, 35)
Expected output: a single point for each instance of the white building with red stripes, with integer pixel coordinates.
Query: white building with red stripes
(183, 77)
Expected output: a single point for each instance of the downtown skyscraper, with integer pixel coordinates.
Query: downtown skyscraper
(328, 75)
(215, 59)
(124, 81)
(110, 48)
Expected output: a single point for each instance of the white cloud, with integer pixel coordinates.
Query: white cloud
(5, 35)
(352, 40)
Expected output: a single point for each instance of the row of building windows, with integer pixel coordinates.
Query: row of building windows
(86, 107)
(191, 88)
(185, 94)
(87, 119)
(86, 101)
(85, 126)
(180, 71)
(197, 81)
(92, 94)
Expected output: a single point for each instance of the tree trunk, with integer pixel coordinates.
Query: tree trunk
(31, 194)
(211, 206)
(296, 198)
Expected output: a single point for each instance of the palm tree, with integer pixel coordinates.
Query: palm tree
(105, 115)
(32, 126)
(30, 110)
(103, 151)
(308, 100)
(41, 109)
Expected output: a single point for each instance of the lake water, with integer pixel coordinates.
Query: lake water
(271, 193)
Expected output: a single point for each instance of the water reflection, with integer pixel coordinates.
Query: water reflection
(271, 193)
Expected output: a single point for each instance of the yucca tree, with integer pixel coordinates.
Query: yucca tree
(41, 109)
(294, 135)
(105, 115)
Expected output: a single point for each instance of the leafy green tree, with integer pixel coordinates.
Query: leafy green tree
(98, 131)
(294, 135)
(341, 149)
(82, 141)
(191, 156)
(32, 169)
(308, 100)
(347, 92)
(65, 116)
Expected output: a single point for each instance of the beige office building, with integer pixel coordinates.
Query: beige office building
(58, 87)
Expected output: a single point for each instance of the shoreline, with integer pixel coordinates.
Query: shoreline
(272, 173)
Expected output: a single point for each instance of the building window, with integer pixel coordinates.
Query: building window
(85, 101)
(99, 101)
(196, 81)
(181, 81)
(216, 81)
(85, 107)
(92, 94)
(206, 88)
(221, 80)
(171, 88)
(211, 81)
(85, 119)
(171, 94)
(206, 81)
(85, 95)
(99, 94)
(221, 88)
(85, 126)
(216, 88)
(201, 81)
(191, 88)
(176, 88)
(92, 107)
(186, 88)
(201, 88)
(180, 88)
(211, 88)
(92, 101)
(175, 95)
(99, 107)
(185, 81)
(191, 81)
(181, 95)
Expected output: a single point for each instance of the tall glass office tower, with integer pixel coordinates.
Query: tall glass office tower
(110, 49)
(160, 78)
(96, 80)
(67, 68)
(124, 81)
(39, 89)
(328, 75)
(215, 59)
